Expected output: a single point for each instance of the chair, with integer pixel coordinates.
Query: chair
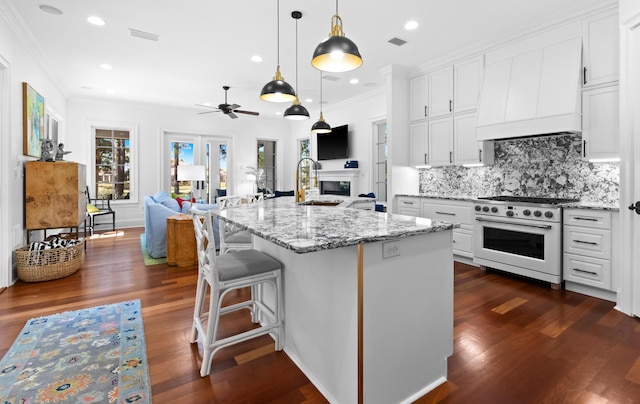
(99, 207)
(222, 274)
(232, 238)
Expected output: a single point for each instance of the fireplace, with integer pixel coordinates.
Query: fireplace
(335, 188)
(343, 182)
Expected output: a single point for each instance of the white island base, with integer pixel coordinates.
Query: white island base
(407, 317)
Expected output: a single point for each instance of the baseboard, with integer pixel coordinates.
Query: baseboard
(591, 291)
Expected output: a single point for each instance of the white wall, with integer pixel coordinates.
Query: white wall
(359, 113)
(21, 62)
(151, 122)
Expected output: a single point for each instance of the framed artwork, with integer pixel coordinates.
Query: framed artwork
(33, 121)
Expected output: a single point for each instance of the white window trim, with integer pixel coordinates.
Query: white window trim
(133, 159)
(374, 166)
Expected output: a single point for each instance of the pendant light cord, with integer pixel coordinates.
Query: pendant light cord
(320, 92)
(278, 29)
(297, 90)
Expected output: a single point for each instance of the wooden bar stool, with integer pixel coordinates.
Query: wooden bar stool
(218, 275)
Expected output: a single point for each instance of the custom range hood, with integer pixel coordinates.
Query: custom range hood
(531, 88)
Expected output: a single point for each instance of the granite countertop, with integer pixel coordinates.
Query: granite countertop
(471, 198)
(306, 229)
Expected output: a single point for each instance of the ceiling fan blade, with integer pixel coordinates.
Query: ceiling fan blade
(207, 112)
(232, 115)
(205, 106)
(233, 106)
(247, 112)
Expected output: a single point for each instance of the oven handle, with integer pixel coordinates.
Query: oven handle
(537, 226)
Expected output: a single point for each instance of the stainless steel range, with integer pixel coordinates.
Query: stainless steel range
(522, 235)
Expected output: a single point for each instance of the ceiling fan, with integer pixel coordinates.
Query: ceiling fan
(226, 108)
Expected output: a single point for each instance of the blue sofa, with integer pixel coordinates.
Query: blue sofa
(157, 209)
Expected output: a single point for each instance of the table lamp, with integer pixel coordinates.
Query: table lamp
(191, 173)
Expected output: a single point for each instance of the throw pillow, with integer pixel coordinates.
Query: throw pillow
(92, 208)
(171, 204)
(180, 201)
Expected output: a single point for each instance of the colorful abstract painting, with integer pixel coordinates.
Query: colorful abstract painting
(33, 120)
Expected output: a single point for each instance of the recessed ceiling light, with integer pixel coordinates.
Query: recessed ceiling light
(95, 20)
(106, 66)
(86, 88)
(309, 100)
(111, 91)
(50, 9)
(256, 58)
(411, 25)
(279, 113)
(354, 81)
(208, 104)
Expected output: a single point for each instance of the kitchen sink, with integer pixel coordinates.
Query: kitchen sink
(320, 203)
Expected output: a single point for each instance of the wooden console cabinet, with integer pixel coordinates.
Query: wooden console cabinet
(181, 241)
(55, 195)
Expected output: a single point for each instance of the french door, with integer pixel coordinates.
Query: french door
(205, 157)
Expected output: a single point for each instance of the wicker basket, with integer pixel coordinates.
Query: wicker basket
(45, 265)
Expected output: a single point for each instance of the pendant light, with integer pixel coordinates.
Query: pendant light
(337, 53)
(296, 112)
(321, 126)
(278, 90)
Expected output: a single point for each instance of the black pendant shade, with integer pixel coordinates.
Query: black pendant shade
(337, 53)
(296, 112)
(321, 126)
(278, 90)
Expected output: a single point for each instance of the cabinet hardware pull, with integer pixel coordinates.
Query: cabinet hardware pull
(586, 272)
(445, 213)
(425, 158)
(480, 155)
(584, 75)
(585, 242)
(590, 219)
(535, 226)
(584, 148)
(407, 203)
(450, 106)
(426, 113)
(450, 157)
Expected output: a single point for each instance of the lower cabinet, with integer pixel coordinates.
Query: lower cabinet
(408, 205)
(588, 256)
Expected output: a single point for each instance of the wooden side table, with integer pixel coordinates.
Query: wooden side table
(181, 241)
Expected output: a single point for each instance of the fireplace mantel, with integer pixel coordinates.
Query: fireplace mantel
(344, 174)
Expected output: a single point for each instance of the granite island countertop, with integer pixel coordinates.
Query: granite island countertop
(304, 229)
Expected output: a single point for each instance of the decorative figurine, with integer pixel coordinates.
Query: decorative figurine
(60, 153)
(47, 150)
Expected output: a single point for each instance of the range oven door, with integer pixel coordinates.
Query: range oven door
(527, 244)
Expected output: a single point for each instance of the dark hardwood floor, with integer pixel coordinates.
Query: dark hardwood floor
(516, 341)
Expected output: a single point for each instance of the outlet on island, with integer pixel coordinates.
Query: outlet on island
(390, 249)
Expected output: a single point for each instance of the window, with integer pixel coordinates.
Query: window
(266, 166)
(380, 149)
(304, 151)
(113, 165)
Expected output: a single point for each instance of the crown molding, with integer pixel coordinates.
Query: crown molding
(16, 23)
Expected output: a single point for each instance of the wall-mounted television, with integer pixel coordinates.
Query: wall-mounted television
(334, 145)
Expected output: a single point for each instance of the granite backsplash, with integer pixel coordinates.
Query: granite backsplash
(549, 166)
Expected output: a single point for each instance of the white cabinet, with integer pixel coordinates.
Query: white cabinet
(467, 80)
(441, 92)
(441, 142)
(419, 98)
(456, 212)
(466, 149)
(408, 205)
(419, 144)
(588, 251)
(600, 49)
(600, 123)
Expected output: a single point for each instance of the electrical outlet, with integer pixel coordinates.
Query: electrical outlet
(390, 249)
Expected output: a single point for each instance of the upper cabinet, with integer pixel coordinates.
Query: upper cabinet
(466, 150)
(600, 123)
(467, 80)
(419, 98)
(419, 144)
(600, 49)
(441, 92)
(441, 142)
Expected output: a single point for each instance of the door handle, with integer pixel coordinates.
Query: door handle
(635, 207)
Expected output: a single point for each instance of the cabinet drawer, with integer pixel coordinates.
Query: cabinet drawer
(588, 271)
(587, 218)
(408, 206)
(586, 241)
(448, 213)
(463, 243)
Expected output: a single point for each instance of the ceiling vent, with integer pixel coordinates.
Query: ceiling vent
(330, 78)
(144, 35)
(397, 41)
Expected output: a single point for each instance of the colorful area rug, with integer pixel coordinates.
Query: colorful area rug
(149, 260)
(95, 355)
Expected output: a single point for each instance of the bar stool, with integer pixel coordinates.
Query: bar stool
(232, 238)
(222, 274)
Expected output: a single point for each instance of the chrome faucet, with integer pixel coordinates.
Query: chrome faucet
(299, 189)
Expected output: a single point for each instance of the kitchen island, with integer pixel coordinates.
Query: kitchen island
(368, 296)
